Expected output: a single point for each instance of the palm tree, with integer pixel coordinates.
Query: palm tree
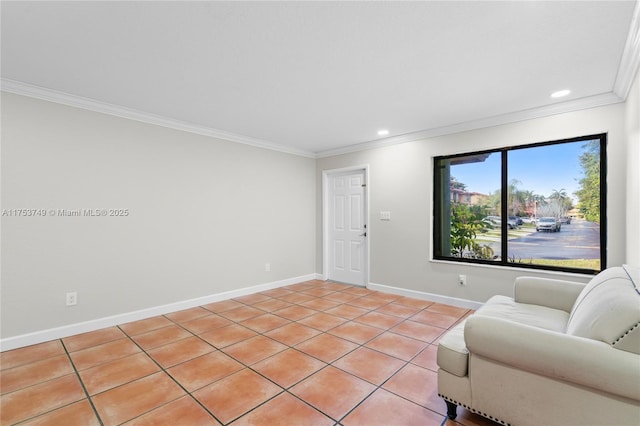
(559, 194)
(528, 197)
(514, 197)
(559, 203)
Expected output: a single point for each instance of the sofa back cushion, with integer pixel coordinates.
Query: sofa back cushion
(608, 309)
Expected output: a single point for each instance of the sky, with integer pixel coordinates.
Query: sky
(540, 169)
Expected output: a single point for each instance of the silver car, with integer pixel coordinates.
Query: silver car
(548, 224)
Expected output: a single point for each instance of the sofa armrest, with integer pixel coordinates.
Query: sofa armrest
(559, 356)
(556, 294)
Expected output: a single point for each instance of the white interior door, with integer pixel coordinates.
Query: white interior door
(346, 227)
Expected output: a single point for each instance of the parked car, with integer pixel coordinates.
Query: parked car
(493, 221)
(566, 219)
(548, 224)
(518, 220)
(512, 222)
(496, 221)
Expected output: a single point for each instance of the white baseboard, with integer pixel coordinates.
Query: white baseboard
(453, 301)
(96, 324)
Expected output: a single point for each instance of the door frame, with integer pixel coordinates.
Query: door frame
(326, 249)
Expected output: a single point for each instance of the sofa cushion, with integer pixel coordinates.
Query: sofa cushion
(452, 355)
(608, 309)
(524, 313)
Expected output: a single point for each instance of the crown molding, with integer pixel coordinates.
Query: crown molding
(630, 61)
(38, 92)
(25, 89)
(529, 114)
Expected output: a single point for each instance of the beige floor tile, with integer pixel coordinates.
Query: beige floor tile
(135, 398)
(236, 394)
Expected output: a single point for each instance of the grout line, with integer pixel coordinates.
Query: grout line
(51, 410)
(84, 388)
(163, 370)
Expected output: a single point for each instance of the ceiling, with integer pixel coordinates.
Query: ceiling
(317, 78)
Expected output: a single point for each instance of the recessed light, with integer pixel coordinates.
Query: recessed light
(560, 93)
(383, 132)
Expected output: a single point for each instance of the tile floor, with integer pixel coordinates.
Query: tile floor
(313, 353)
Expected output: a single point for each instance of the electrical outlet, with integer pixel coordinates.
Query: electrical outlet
(267, 267)
(462, 279)
(72, 298)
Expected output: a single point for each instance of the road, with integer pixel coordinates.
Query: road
(579, 240)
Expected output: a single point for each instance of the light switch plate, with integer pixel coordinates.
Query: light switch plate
(385, 215)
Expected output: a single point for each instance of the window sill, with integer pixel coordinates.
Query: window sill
(522, 271)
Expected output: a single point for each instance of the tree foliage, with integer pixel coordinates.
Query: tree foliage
(520, 202)
(455, 183)
(589, 192)
(557, 205)
(466, 223)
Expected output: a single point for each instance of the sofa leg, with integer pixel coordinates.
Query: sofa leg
(451, 410)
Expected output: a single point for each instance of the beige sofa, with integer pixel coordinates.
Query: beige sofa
(557, 353)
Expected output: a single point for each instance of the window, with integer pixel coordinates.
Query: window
(537, 206)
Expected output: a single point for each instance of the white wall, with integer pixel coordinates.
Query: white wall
(205, 215)
(401, 182)
(633, 173)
